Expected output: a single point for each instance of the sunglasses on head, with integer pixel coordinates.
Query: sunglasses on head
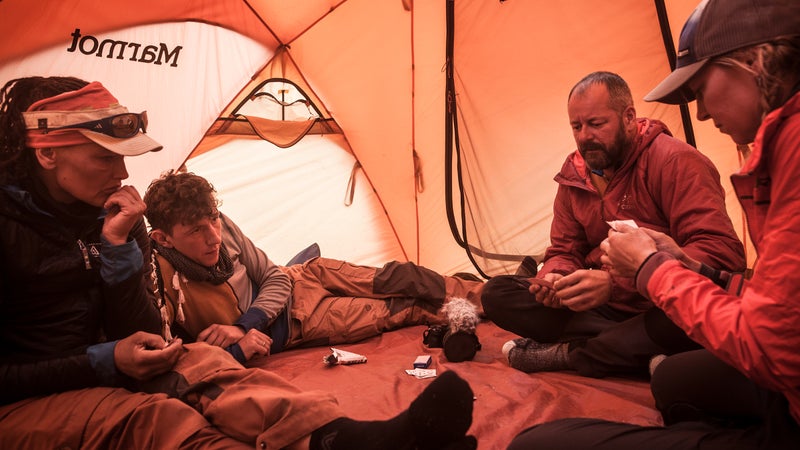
(120, 126)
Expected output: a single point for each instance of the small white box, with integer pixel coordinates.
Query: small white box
(422, 362)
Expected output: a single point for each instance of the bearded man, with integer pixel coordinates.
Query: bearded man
(573, 314)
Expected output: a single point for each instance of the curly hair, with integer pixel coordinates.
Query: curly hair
(179, 198)
(16, 164)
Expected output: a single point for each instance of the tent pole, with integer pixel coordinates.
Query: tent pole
(669, 46)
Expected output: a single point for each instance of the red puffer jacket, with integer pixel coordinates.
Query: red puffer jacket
(664, 184)
(758, 331)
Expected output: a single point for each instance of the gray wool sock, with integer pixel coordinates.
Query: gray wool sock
(529, 356)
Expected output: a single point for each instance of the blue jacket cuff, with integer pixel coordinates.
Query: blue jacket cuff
(236, 351)
(253, 318)
(119, 262)
(101, 357)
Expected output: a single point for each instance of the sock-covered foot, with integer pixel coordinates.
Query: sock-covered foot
(442, 413)
(437, 419)
(529, 356)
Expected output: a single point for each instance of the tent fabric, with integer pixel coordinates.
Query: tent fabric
(281, 133)
(378, 69)
(369, 182)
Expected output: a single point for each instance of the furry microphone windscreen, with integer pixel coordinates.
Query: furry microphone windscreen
(461, 315)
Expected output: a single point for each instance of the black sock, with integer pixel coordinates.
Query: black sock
(437, 419)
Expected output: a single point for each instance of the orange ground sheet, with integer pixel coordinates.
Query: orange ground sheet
(506, 400)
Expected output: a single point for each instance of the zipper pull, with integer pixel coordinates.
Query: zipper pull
(85, 254)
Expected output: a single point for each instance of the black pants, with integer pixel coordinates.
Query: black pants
(706, 405)
(603, 341)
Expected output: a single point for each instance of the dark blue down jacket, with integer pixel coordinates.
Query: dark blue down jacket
(54, 303)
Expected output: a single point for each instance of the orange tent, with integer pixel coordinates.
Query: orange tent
(231, 87)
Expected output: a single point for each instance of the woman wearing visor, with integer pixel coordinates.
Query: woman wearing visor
(740, 61)
(82, 361)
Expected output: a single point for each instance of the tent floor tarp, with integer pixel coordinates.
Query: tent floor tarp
(506, 400)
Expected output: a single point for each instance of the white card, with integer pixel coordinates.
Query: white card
(613, 223)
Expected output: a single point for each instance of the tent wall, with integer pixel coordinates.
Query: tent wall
(378, 68)
(308, 181)
(512, 96)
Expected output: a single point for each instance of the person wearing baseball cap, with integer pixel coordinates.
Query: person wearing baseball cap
(73, 246)
(73, 143)
(740, 61)
(718, 27)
